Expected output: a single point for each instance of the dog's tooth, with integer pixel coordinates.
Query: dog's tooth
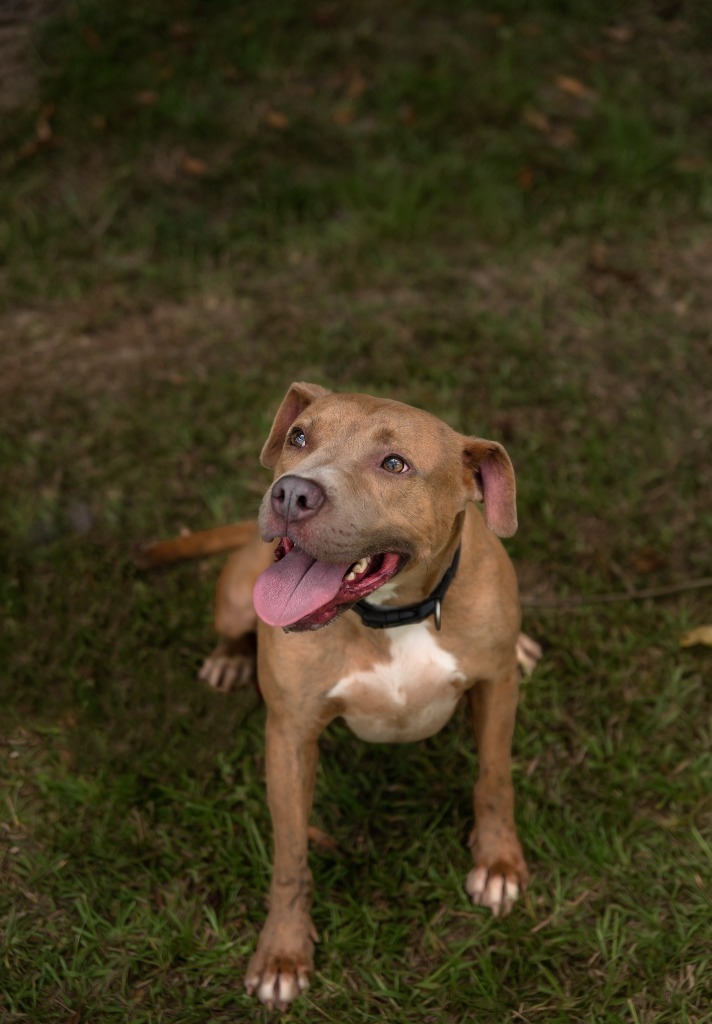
(357, 569)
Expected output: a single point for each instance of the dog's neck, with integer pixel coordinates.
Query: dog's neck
(416, 595)
(383, 617)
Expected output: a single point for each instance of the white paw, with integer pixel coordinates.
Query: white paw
(496, 891)
(277, 989)
(528, 653)
(224, 672)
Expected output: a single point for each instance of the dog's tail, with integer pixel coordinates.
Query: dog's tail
(195, 545)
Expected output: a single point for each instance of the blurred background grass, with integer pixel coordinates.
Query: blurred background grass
(499, 212)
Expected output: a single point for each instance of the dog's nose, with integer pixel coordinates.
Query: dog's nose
(296, 498)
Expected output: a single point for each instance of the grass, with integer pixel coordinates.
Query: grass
(500, 214)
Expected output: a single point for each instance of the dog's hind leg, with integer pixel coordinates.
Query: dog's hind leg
(528, 654)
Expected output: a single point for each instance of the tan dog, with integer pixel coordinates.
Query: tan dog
(373, 501)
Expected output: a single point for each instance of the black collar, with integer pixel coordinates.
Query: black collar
(383, 618)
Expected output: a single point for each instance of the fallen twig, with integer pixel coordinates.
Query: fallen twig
(582, 600)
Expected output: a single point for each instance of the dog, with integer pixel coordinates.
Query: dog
(372, 528)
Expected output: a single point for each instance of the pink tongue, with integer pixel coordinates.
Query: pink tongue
(295, 586)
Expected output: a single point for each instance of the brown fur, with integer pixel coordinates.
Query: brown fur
(425, 515)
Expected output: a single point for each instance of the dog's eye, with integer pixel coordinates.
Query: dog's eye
(297, 438)
(394, 464)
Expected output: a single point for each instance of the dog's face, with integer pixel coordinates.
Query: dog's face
(364, 486)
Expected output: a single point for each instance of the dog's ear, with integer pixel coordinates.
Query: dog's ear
(299, 396)
(490, 479)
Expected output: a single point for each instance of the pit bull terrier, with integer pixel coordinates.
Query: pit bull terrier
(371, 527)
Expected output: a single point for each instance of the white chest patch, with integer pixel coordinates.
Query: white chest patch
(407, 698)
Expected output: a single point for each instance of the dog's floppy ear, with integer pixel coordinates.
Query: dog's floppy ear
(299, 396)
(490, 479)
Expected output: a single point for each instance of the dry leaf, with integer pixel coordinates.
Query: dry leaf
(698, 635)
(275, 119)
(526, 179)
(140, 993)
(92, 39)
(229, 71)
(322, 840)
(327, 15)
(356, 85)
(562, 137)
(536, 119)
(689, 164)
(43, 128)
(194, 166)
(598, 260)
(593, 54)
(530, 29)
(146, 98)
(343, 115)
(618, 34)
(573, 87)
(648, 560)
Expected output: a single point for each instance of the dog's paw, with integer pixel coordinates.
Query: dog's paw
(278, 978)
(500, 873)
(496, 889)
(228, 667)
(278, 984)
(528, 653)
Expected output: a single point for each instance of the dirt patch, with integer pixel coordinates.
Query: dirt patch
(90, 349)
(621, 319)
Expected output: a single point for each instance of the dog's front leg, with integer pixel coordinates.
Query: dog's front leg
(281, 966)
(500, 871)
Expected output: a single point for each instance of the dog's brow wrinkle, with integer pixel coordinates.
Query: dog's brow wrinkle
(383, 435)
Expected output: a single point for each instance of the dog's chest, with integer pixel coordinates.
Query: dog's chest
(408, 697)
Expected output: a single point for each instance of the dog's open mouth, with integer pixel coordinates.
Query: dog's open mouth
(301, 592)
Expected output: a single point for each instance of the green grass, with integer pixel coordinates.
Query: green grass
(401, 199)
(339, 130)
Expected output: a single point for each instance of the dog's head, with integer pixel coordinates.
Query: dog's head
(364, 486)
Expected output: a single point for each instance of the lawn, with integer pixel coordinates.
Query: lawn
(500, 212)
